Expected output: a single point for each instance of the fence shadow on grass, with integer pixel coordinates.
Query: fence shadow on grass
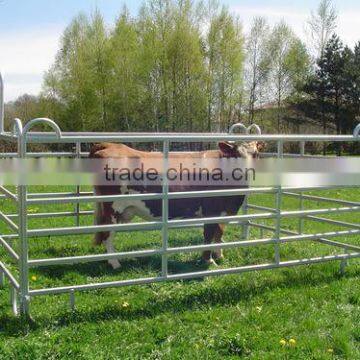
(128, 265)
(229, 292)
(147, 265)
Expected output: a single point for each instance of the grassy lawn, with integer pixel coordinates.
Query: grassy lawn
(235, 316)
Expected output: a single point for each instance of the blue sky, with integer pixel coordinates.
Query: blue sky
(30, 29)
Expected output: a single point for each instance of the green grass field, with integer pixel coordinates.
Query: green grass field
(250, 315)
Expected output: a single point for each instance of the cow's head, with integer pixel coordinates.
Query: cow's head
(243, 150)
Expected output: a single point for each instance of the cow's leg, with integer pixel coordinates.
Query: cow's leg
(121, 218)
(104, 216)
(111, 249)
(209, 230)
(218, 233)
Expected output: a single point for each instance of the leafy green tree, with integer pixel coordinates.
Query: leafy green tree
(334, 88)
(154, 24)
(322, 25)
(126, 90)
(290, 64)
(185, 68)
(331, 76)
(150, 72)
(351, 87)
(226, 57)
(80, 74)
(257, 63)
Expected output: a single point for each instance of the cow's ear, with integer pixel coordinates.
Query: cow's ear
(227, 149)
(260, 145)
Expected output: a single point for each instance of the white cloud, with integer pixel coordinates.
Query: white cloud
(24, 56)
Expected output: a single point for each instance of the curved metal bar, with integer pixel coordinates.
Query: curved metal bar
(245, 130)
(46, 121)
(357, 130)
(23, 215)
(2, 111)
(17, 127)
(238, 125)
(255, 127)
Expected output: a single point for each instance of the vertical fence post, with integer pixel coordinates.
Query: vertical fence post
(278, 199)
(278, 223)
(245, 130)
(301, 198)
(165, 208)
(245, 227)
(77, 205)
(23, 240)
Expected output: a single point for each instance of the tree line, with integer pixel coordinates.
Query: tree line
(182, 65)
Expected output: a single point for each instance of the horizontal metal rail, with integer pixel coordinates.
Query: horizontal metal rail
(10, 276)
(8, 193)
(55, 214)
(321, 198)
(258, 207)
(289, 155)
(9, 249)
(150, 196)
(320, 239)
(8, 221)
(192, 275)
(338, 244)
(333, 222)
(86, 154)
(44, 154)
(94, 198)
(251, 206)
(187, 249)
(156, 225)
(66, 137)
(271, 228)
(295, 213)
(157, 196)
(57, 194)
(10, 236)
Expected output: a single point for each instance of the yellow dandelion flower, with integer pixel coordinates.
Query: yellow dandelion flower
(33, 278)
(125, 304)
(292, 342)
(330, 350)
(282, 342)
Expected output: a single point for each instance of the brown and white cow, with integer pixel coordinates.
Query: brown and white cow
(123, 211)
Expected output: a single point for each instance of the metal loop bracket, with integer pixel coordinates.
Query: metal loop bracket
(254, 127)
(245, 130)
(46, 121)
(240, 126)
